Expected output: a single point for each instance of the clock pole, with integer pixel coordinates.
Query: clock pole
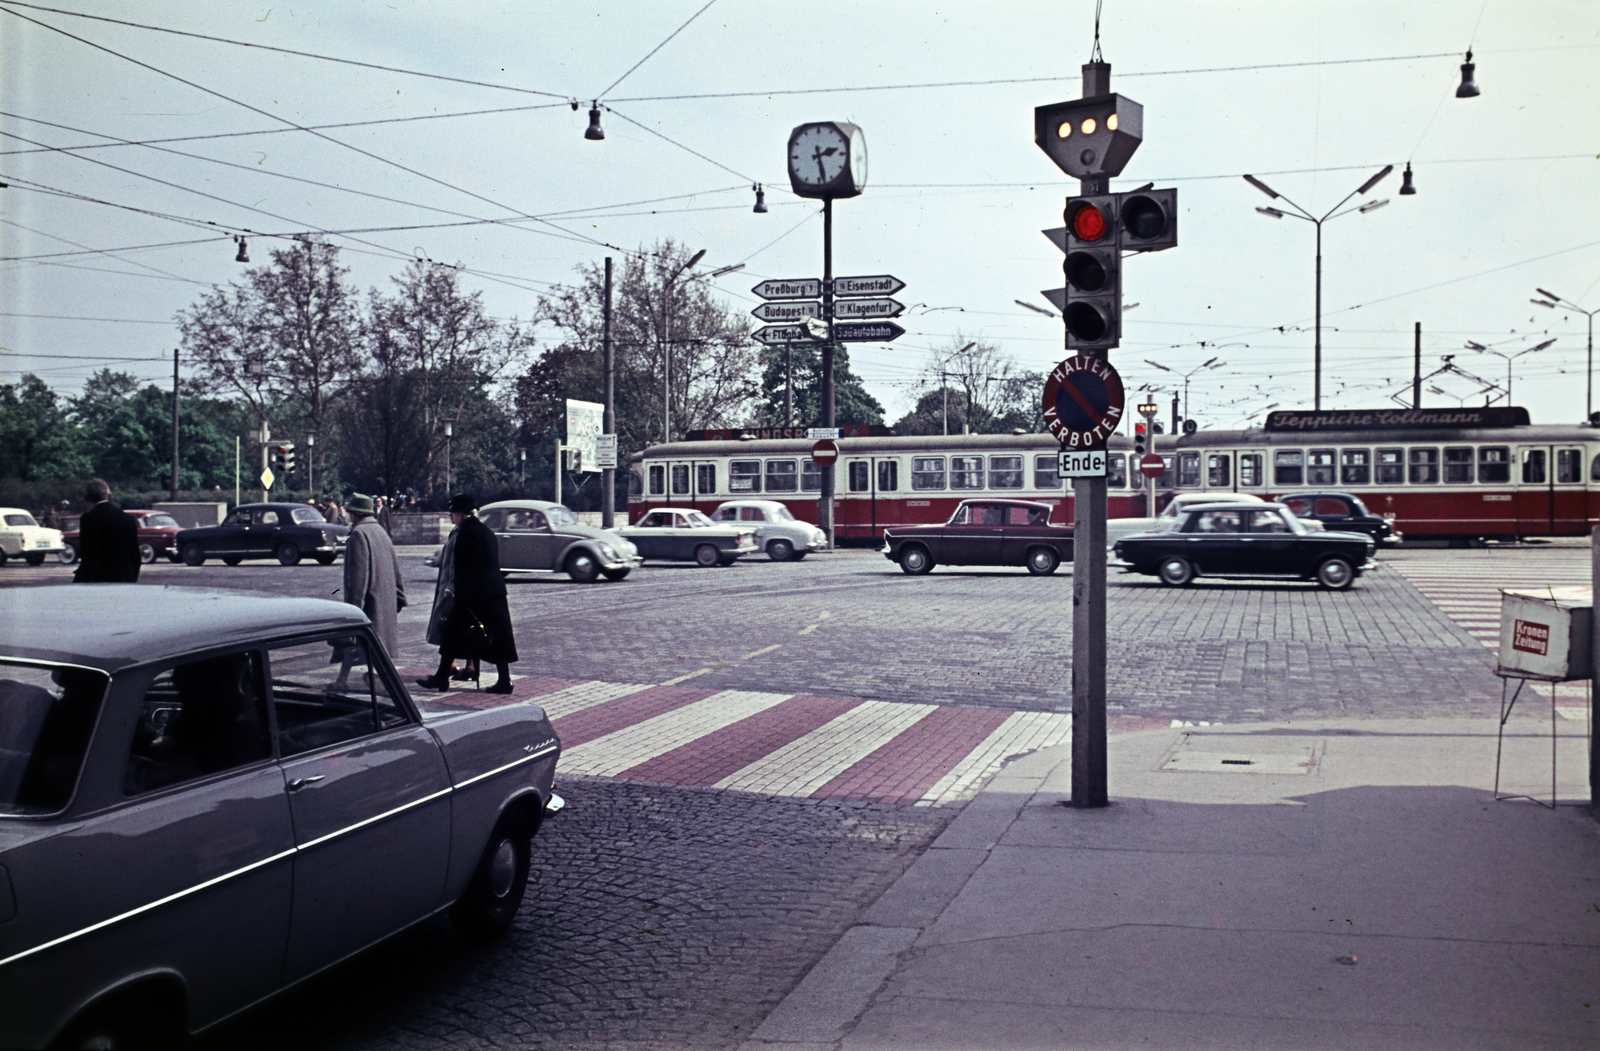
(825, 506)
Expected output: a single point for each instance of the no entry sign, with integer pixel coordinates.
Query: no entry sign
(825, 452)
(1082, 401)
(1152, 466)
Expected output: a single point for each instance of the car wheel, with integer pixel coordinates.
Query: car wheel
(193, 554)
(232, 560)
(326, 560)
(1175, 571)
(68, 555)
(615, 574)
(780, 551)
(914, 559)
(147, 553)
(144, 1018)
(33, 560)
(288, 554)
(707, 555)
(582, 567)
(495, 893)
(1042, 561)
(1335, 574)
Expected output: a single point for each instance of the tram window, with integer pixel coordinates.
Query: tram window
(680, 479)
(1320, 467)
(1288, 467)
(888, 476)
(707, 480)
(966, 472)
(1044, 473)
(860, 476)
(1424, 466)
(1494, 464)
(1457, 464)
(1166, 479)
(1249, 468)
(1594, 469)
(783, 476)
(635, 484)
(1533, 467)
(927, 472)
(1189, 470)
(1355, 466)
(658, 479)
(1391, 467)
(1005, 472)
(744, 476)
(1217, 469)
(1569, 465)
(810, 476)
(1116, 471)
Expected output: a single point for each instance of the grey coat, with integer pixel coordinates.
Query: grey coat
(372, 580)
(443, 591)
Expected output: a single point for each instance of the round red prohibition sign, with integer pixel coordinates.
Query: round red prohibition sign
(824, 452)
(1083, 401)
(1152, 466)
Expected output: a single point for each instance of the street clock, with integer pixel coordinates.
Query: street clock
(827, 159)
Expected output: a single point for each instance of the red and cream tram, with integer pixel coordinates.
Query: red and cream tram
(1453, 473)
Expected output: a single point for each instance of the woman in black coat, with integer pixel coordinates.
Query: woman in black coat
(478, 624)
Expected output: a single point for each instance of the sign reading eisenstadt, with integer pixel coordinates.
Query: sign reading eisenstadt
(1082, 401)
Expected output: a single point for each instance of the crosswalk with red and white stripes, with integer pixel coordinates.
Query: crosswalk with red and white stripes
(1467, 590)
(781, 744)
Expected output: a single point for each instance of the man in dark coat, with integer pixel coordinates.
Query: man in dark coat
(479, 622)
(108, 540)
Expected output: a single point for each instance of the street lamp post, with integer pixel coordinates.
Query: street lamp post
(311, 463)
(1509, 358)
(1211, 363)
(666, 345)
(449, 432)
(1555, 302)
(1332, 213)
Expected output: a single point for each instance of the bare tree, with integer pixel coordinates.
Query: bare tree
(984, 389)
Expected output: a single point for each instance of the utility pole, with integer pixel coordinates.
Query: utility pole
(1175, 413)
(174, 496)
(608, 475)
(788, 391)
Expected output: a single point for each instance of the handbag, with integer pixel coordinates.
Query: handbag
(474, 634)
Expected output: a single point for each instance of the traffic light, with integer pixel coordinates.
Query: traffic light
(283, 459)
(1090, 137)
(1140, 442)
(1092, 304)
(1149, 219)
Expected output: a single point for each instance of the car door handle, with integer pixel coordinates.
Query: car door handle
(300, 782)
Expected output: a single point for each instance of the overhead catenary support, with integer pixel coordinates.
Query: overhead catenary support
(174, 496)
(608, 363)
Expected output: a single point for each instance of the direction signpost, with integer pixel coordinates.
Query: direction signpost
(872, 285)
(778, 335)
(866, 331)
(795, 310)
(794, 288)
(858, 309)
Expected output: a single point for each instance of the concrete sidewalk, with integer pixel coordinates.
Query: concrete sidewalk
(1346, 884)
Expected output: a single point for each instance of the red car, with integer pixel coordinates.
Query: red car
(983, 533)
(158, 538)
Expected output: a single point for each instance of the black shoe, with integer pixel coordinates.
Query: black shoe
(499, 687)
(435, 682)
(464, 675)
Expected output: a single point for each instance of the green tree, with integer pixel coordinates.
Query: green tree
(37, 438)
(852, 404)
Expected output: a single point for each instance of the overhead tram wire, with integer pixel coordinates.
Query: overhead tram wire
(79, 317)
(653, 50)
(681, 146)
(284, 120)
(109, 254)
(298, 54)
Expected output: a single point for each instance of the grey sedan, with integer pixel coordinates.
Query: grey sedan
(214, 796)
(683, 533)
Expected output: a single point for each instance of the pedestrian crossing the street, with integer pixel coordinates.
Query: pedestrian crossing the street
(1467, 590)
(795, 745)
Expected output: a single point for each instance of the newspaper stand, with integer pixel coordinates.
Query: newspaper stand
(1546, 635)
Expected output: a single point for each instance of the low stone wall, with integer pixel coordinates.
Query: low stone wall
(191, 516)
(419, 527)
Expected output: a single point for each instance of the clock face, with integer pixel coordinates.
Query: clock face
(858, 160)
(818, 155)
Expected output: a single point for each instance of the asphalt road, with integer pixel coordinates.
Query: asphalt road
(669, 916)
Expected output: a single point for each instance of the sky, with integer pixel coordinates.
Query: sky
(698, 100)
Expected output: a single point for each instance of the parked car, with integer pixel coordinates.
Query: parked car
(158, 538)
(22, 537)
(194, 815)
(287, 532)
(684, 534)
(1243, 538)
(1343, 512)
(983, 533)
(778, 533)
(538, 536)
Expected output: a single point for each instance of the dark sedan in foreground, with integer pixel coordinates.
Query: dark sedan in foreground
(287, 532)
(212, 796)
(983, 533)
(1235, 539)
(1343, 512)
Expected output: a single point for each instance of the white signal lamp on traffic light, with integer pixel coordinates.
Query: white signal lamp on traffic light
(1090, 137)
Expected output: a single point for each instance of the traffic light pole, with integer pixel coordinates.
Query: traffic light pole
(1089, 582)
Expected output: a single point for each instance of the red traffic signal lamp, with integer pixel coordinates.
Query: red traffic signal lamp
(1140, 439)
(1092, 303)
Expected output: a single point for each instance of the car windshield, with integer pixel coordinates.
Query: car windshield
(560, 516)
(20, 520)
(1295, 525)
(782, 514)
(46, 715)
(306, 515)
(160, 522)
(697, 520)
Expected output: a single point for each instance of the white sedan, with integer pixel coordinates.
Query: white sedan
(22, 537)
(780, 534)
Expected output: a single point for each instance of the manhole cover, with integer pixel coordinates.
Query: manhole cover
(1241, 754)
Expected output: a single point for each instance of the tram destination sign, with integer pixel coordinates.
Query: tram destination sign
(1395, 419)
(790, 288)
(792, 310)
(1083, 401)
